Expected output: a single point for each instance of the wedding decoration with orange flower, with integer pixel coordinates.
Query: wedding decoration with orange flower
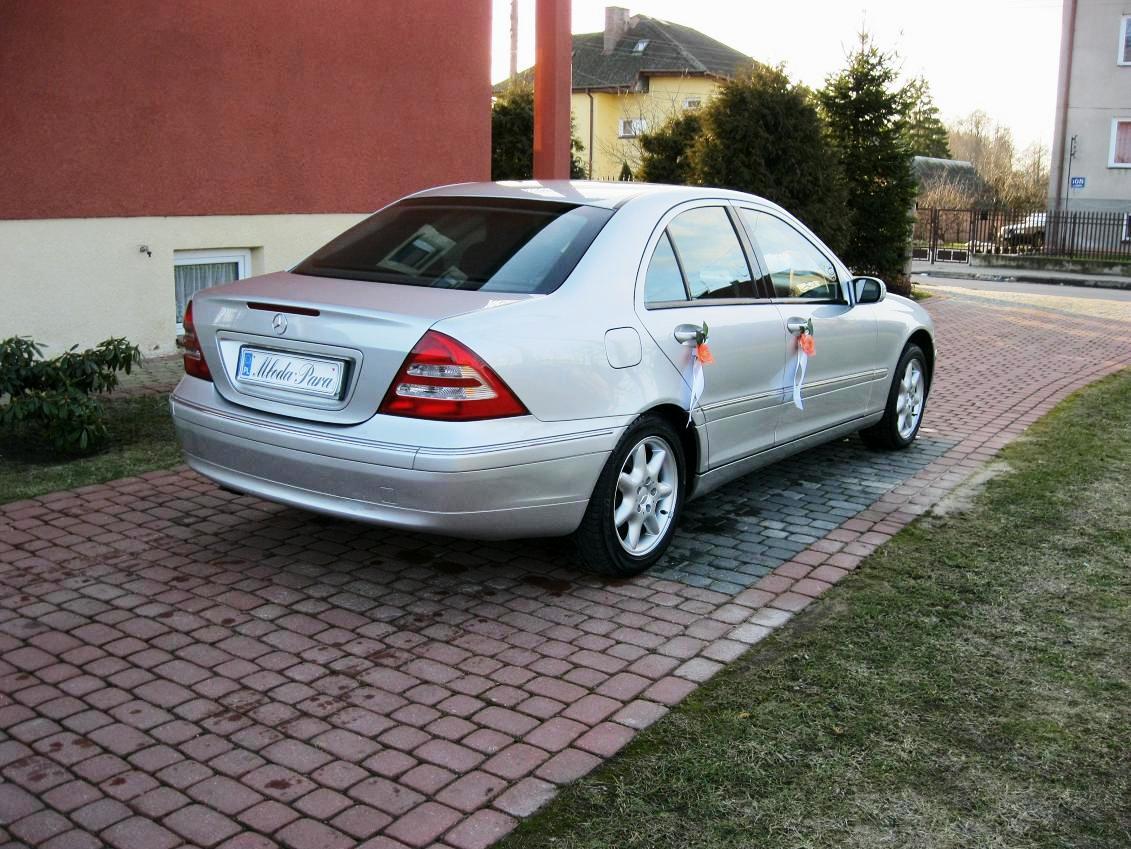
(806, 348)
(700, 355)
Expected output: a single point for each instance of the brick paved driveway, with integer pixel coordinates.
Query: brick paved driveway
(182, 666)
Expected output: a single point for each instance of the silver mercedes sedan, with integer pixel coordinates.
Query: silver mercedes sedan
(507, 360)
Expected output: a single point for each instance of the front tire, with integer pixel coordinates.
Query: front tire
(636, 503)
(907, 399)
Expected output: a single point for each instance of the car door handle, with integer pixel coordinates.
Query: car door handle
(685, 333)
(796, 325)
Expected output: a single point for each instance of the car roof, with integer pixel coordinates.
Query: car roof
(609, 194)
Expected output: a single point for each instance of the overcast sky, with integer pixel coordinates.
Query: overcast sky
(996, 55)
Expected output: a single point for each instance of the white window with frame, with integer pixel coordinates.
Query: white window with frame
(199, 269)
(1123, 56)
(1120, 151)
(630, 128)
(692, 102)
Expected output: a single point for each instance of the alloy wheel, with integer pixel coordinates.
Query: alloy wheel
(909, 402)
(645, 501)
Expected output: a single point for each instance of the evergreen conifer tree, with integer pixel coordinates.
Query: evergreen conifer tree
(763, 134)
(926, 133)
(866, 114)
(666, 155)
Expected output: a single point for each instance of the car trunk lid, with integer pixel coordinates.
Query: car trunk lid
(316, 348)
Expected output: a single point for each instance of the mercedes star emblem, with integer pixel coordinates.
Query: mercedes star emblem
(279, 323)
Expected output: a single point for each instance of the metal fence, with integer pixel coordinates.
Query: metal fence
(954, 235)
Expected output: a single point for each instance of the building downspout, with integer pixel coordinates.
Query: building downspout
(1063, 90)
(589, 94)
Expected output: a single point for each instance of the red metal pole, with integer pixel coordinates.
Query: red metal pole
(553, 73)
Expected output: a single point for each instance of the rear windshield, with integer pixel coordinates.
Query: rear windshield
(489, 244)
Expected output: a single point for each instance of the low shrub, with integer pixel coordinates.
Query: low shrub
(49, 403)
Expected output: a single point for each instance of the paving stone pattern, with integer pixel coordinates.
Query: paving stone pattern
(153, 376)
(180, 666)
(731, 538)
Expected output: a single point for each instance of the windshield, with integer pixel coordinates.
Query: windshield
(490, 244)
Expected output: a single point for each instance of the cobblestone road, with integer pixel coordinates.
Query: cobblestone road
(180, 666)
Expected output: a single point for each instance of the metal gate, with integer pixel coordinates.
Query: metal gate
(944, 235)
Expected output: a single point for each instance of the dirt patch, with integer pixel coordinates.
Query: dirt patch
(962, 498)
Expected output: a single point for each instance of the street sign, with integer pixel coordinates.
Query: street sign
(1077, 182)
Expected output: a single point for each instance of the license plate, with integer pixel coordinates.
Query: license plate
(290, 372)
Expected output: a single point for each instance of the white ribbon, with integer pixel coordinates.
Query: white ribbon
(799, 377)
(696, 381)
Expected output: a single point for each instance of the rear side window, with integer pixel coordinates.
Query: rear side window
(713, 262)
(663, 281)
(516, 246)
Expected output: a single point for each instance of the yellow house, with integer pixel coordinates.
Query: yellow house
(634, 76)
(631, 78)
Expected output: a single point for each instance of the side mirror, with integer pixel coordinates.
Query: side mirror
(868, 290)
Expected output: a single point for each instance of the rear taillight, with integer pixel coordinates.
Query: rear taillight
(442, 379)
(195, 365)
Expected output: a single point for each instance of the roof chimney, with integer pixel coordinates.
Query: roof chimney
(616, 25)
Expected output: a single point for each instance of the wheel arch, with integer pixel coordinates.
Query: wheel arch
(689, 439)
(922, 338)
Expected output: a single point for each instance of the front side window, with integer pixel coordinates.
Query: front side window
(1120, 144)
(1124, 55)
(507, 245)
(713, 262)
(793, 263)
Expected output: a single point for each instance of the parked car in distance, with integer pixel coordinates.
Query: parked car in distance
(1029, 232)
(510, 360)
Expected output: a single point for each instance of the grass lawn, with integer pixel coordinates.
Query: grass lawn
(141, 440)
(970, 686)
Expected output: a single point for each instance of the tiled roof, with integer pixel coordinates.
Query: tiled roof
(649, 46)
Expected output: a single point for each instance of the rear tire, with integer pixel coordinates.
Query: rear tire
(907, 399)
(636, 503)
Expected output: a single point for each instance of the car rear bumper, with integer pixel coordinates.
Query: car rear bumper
(536, 486)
